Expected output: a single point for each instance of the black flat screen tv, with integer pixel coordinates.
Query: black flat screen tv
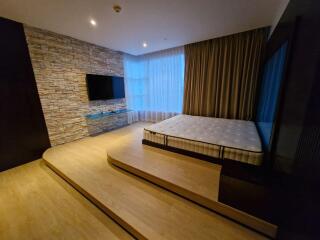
(104, 87)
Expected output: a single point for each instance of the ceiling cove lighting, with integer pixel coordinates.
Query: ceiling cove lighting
(144, 44)
(93, 22)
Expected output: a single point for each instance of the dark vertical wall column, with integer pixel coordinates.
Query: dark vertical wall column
(299, 100)
(297, 138)
(23, 132)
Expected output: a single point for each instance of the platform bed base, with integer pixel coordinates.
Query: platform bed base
(230, 167)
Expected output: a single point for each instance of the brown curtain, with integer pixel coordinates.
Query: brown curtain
(221, 75)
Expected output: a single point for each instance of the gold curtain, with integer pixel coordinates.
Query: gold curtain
(221, 75)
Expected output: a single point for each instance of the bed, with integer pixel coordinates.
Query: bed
(215, 138)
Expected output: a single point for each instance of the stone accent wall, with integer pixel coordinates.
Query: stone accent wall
(60, 64)
(107, 123)
(102, 124)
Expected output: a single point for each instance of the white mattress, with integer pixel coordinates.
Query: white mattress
(237, 139)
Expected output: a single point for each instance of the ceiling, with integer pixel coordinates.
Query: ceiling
(161, 23)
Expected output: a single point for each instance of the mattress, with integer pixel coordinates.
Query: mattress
(215, 137)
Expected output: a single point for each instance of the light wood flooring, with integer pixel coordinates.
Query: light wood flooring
(189, 177)
(145, 210)
(198, 177)
(35, 204)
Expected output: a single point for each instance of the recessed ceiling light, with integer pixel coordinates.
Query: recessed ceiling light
(144, 44)
(93, 22)
(117, 8)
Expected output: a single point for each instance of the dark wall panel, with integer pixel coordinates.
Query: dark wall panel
(23, 132)
(300, 78)
(296, 151)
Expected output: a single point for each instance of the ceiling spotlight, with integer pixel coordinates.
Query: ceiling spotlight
(93, 22)
(116, 8)
(144, 44)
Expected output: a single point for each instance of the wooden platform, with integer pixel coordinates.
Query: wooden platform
(37, 204)
(186, 176)
(142, 208)
(189, 177)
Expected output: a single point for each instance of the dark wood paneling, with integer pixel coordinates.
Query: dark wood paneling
(296, 152)
(260, 200)
(300, 78)
(23, 132)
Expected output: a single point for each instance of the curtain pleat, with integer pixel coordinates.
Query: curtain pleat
(221, 75)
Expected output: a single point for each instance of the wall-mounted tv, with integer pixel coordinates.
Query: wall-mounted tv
(104, 87)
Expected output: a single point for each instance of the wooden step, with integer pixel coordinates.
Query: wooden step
(144, 209)
(186, 176)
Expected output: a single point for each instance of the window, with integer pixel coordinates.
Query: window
(154, 84)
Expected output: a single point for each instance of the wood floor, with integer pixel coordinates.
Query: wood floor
(189, 177)
(35, 204)
(145, 210)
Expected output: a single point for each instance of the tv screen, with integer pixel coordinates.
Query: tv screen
(104, 87)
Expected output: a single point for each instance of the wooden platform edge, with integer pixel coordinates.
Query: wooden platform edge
(95, 201)
(241, 217)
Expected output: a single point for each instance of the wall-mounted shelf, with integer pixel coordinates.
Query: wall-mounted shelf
(107, 114)
(105, 121)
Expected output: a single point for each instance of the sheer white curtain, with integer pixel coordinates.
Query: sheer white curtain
(154, 84)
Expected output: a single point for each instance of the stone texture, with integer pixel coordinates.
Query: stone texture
(107, 123)
(60, 64)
